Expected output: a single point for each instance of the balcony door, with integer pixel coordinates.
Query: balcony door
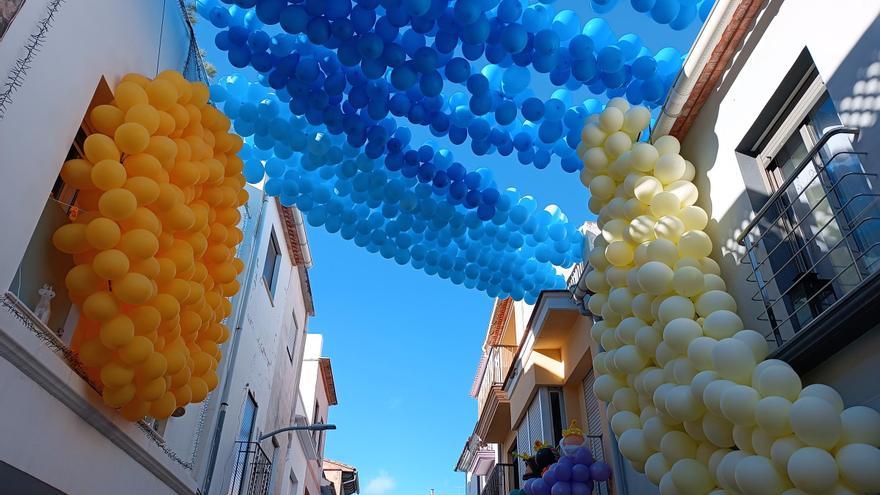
(820, 235)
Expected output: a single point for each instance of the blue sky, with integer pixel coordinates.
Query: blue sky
(405, 346)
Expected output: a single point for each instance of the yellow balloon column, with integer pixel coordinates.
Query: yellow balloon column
(694, 403)
(154, 243)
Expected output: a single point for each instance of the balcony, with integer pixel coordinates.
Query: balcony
(253, 470)
(813, 250)
(501, 480)
(493, 405)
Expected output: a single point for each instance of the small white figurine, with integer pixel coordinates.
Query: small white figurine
(43, 308)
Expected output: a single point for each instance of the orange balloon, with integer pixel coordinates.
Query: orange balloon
(99, 147)
(129, 94)
(106, 118)
(131, 138)
(145, 115)
(77, 173)
(117, 204)
(108, 174)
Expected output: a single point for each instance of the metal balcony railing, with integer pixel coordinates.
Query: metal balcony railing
(598, 450)
(815, 239)
(501, 480)
(577, 286)
(253, 470)
(498, 362)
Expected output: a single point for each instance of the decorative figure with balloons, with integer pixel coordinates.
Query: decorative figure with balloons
(571, 473)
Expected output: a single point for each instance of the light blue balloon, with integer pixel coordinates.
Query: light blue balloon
(567, 24)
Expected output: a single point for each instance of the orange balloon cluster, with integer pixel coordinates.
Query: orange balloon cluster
(154, 244)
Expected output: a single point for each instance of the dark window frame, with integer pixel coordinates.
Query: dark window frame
(270, 280)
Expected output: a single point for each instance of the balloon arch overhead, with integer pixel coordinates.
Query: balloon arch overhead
(693, 402)
(322, 122)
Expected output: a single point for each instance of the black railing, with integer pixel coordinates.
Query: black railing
(598, 450)
(253, 470)
(501, 480)
(815, 239)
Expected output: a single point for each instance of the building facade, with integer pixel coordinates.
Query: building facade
(786, 118)
(534, 378)
(61, 59)
(318, 393)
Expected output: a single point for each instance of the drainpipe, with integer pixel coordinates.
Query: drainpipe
(301, 237)
(236, 338)
(701, 51)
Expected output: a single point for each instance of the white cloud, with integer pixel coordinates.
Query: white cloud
(380, 485)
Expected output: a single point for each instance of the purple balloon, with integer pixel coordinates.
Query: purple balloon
(580, 473)
(540, 487)
(562, 472)
(583, 456)
(527, 486)
(561, 488)
(599, 471)
(550, 476)
(566, 459)
(581, 488)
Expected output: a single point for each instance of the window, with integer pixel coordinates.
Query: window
(556, 413)
(294, 333)
(272, 264)
(41, 263)
(242, 441)
(820, 233)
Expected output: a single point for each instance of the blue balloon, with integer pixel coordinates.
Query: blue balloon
(533, 109)
(664, 11)
(642, 6)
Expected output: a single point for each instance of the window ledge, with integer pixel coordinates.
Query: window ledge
(25, 343)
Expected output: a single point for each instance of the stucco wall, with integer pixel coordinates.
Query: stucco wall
(87, 40)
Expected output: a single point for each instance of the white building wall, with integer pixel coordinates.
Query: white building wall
(48, 429)
(842, 38)
(87, 40)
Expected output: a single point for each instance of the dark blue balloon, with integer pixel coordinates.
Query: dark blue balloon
(505, 112)
(425, 59)
(403, 77)
(318, 30)
(446, 41)
(480, 104)
(610, 59)
(457, 70)
(514, 38)
(546, 41)
(509, 10)
(580, 47)
(222, 40)
(467, 11)
(239, 56)
(642, 5)
(362, 18)
(472, 52)
(533, 109)
(664, 11)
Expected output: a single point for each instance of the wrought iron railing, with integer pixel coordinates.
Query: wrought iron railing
(501, 480)
(253, 470)
(815, 239)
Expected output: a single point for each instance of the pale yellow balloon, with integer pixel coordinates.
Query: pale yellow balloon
(772, 415)
(860, 424)
(619, 253)
(691, 477)
(815, 422)
(667, 145)
(624, 421)
(722, 324)
(656, 467)
(633, 446)
(611, 119)
(680, 332)
(812, 470)
(733, 360)
(718, 430)
(694, 244)
(756, 475)
(665, 204)
(644, 156)
(858, 464)
(669, 168)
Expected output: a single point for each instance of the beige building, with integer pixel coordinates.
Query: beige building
(342, 477)
(535, 377)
